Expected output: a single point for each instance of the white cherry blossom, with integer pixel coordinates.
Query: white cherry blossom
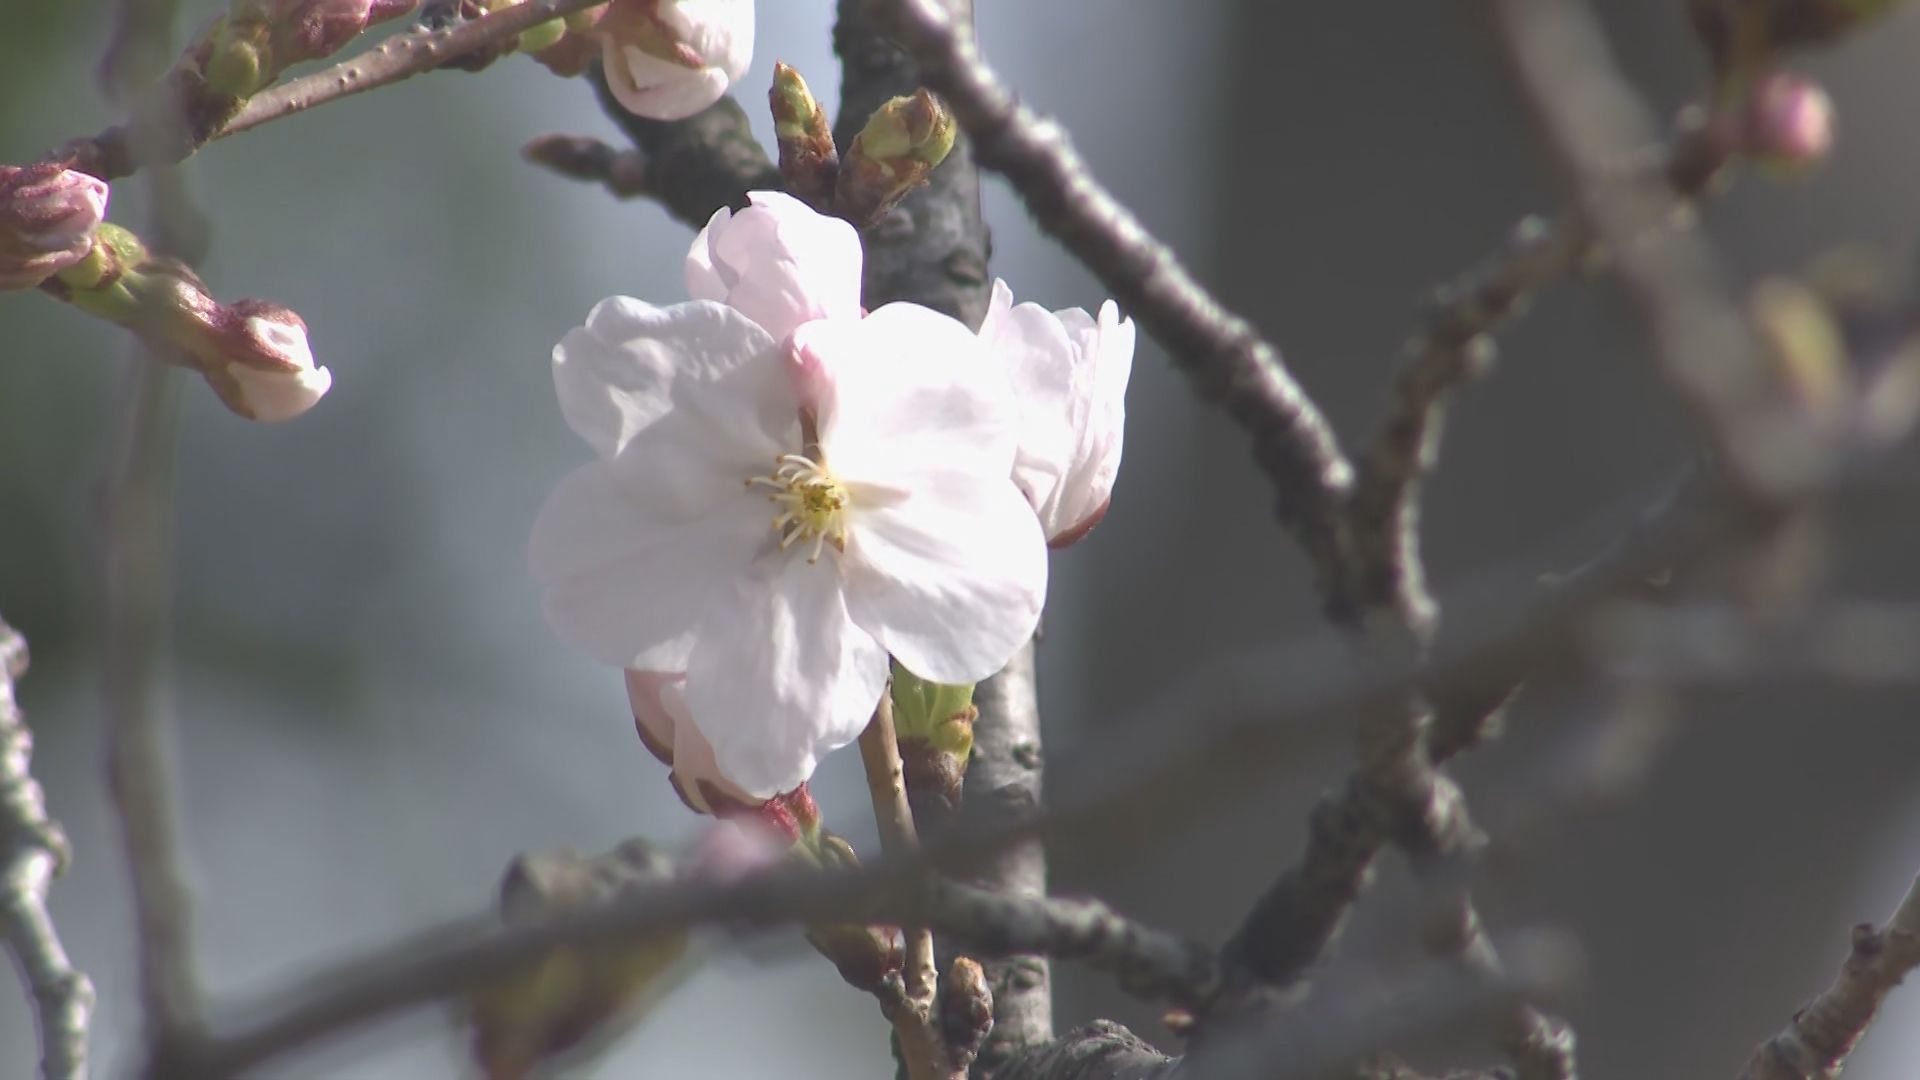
(778, 564)
(669, 59)
(1069, 372)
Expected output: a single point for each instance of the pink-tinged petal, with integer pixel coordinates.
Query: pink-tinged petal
(911, 390)
(624, 582)
(951, 579)
(666, 728)
(703, 385)
(780, 675)
(782, 264)
(719, 32)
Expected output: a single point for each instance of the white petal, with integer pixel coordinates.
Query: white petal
(720, 32)
(661, 717)
(912, 390)
(950, 579)
(708, 378)
(270, 396)
(784, 264)
(657, 88)
(625, 582)
(780, 675)
(703, 280)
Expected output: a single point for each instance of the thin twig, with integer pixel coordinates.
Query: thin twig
(139, 779)
(33, 850)
(1815, 1045)
(113, 153)
(1450, 348)
(1227, 359)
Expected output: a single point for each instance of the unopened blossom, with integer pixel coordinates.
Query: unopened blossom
(660, 715)
(669, 59)
(48, 214)
(1069, 372)
(1787, 120)
(774, 518)
(256, 357)
(778, 262)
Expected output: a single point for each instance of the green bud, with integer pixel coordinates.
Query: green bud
(903, 141)
(238, 65)
(545, 36)
(938, 713)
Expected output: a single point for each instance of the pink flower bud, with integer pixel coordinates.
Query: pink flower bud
(1787, 121)
(47, 217)
(260, 363)
(669, 59)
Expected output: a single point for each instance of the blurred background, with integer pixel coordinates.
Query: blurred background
(372, 717)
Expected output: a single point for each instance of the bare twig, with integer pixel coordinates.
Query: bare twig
(115, 153)
(1228, 361)
(139, 779)
(1450, 348)
(33, 849)
(1815, 1045)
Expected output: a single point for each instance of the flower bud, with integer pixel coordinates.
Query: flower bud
(48, 214)
(667, 730)
(260, 363)
(808, 158)
(669, 59)
(935, 724)
(1787, 121)
(314, 29)
(902, 142)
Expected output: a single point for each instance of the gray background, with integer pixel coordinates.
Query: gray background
(372, 715)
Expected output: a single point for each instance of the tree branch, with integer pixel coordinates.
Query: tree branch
(33, 849)
(697, 165)
(1815, 1045)
(1228, 361)
(116, 152)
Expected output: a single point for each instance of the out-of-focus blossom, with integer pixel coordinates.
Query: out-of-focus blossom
(1787, 120)
(48, 214)
(669, 59)
(1069, 372)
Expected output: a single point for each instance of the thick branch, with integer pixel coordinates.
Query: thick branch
(1816, 1044)
(697, 165)
(32, 850)
(1229, 362)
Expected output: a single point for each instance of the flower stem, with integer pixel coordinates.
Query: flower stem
(912, 1013)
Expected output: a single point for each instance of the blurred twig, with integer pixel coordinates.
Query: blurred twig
(582, 157)
(33, 849)
(1815, 1045)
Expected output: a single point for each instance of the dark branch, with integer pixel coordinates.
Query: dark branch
(697, 165)
(1229, 362)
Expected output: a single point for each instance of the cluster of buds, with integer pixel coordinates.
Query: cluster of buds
(903, 141)
(254, 354)
(256, 40)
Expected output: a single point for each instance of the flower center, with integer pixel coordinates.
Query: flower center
(813, 505)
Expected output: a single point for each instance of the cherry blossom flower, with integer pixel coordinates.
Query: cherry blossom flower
(1069, 372)
(669, 59)
(775, 517)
